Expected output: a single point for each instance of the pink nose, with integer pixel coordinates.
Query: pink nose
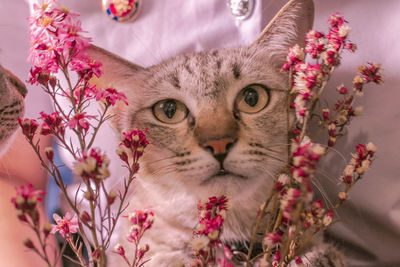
(219, 146)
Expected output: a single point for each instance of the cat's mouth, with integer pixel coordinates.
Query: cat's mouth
(222, 174)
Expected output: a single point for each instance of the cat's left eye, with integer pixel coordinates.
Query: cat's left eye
(252, 98)
(170, 111)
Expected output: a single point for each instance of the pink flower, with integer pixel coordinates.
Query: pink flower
(86, 68)
(65, 226)
(110, 96)
(80, 120)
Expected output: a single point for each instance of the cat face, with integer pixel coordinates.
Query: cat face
(216, 120)
(12, 92)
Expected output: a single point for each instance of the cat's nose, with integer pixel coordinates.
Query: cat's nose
(219, 147)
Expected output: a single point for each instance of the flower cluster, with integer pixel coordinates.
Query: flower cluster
(140, 221)
(371, 72)
(57, 43)
(29, 127)
(359, 163)
(92, 165)
(132, 146)
(343, 108)
(58, 47)
(212, 214)
(52, 124)
(292, 215)
(308, 78)
(305, 159)
(25, 203)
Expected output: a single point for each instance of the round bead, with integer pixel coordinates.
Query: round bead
(122, 10)
(241, 9)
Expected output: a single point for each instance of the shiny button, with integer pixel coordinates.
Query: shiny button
(241, 9)
(122, 10)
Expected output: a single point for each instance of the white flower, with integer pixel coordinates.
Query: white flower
(371, 147)
(342, 196)
(364, 166)
(348, 170)
(213, 235)
(358, 110)
(283, 179)
(89, 165)
(318, 149)
(327, 220)
(199, 243)
(297, 160)
(344, 30)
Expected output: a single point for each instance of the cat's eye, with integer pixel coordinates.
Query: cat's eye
(252, 98)
(170, 111)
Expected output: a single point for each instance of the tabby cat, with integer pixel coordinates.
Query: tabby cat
(216, 125)
(12, 92)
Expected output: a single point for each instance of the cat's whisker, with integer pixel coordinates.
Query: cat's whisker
(162, 159)
(319, 187)
(326, 175)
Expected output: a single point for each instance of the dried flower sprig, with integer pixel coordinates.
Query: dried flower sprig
(206, 240)
(294, 216)
(140, 221)
(25, 203)
(58, 48)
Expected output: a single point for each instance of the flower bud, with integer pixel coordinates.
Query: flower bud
(342, 196)
(88, 195)
(47, 229)
(85, 217)
(53, 81)
(21, 216)
(28, 243)
(325, 114)
(49, 153)
(119, 249)
(111, 197)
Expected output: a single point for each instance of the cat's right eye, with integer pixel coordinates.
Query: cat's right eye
(170, 111)
(252, 98)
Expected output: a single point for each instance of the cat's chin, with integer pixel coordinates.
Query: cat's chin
(222, 176)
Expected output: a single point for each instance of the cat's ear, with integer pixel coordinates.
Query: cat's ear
(119, 74)
(286, 29)
(115, 69)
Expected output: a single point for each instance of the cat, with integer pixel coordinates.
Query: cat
(216, 125)
(12, 92)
